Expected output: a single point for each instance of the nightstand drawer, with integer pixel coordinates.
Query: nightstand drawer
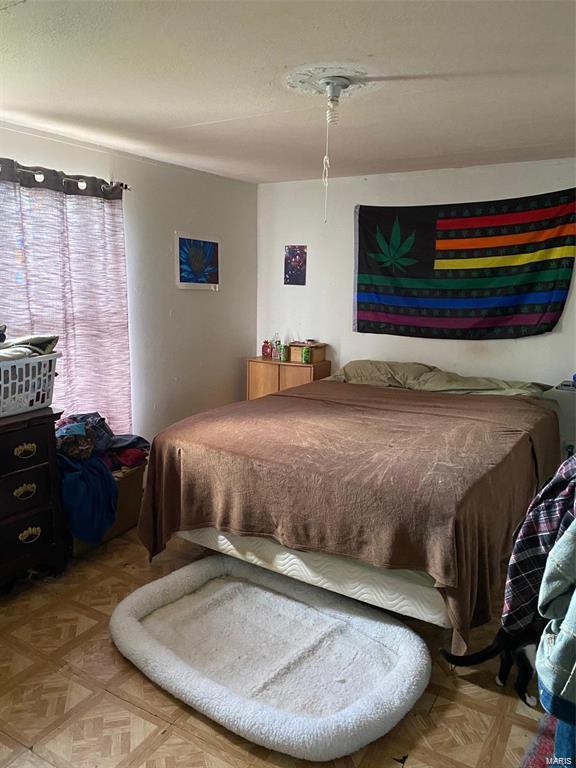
(24, 448)
(23, 491)
(27, 531)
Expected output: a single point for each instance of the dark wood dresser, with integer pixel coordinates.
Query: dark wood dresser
(33, 534)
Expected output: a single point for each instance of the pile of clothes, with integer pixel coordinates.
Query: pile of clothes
(85, 433)
(541, 585)
(25, 346)
(90, 458)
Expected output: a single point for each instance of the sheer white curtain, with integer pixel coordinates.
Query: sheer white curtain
(63, 271)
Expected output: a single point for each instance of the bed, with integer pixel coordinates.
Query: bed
(404, 498)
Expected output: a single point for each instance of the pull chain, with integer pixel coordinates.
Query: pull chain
(325, 172)
(331, 119)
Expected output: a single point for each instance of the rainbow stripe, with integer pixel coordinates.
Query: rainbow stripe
(455, 302)
(457, 322)
(456, 283)
(515, 260)
(507, 219)
(524, 238)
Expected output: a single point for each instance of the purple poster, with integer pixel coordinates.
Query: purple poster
(295, 264)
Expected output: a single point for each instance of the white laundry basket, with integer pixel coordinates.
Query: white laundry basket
(27, 383)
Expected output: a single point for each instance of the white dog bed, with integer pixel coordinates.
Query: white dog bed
(286, 665)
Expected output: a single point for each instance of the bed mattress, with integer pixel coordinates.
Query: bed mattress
(410, 593)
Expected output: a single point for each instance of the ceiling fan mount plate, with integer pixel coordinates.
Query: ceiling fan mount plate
(314, 78)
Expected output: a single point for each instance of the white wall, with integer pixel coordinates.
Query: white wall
(292, 212)
(187, 347)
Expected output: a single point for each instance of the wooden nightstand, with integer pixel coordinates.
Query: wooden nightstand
(265, 376)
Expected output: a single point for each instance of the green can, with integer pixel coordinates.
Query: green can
(306, 354)
(284, 353)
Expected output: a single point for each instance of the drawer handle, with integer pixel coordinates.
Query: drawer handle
(25, 491)
(25, 450)
(30, 535)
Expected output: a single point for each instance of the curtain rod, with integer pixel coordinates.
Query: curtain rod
(121, 184)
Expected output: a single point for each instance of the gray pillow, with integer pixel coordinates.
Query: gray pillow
(428, 378)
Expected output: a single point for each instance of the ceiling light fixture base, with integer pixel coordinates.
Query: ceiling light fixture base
(334, 86)
(316, 78)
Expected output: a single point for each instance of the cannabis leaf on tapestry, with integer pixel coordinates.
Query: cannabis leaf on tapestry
(393, 253)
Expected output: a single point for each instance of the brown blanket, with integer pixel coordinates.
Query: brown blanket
(394, 478)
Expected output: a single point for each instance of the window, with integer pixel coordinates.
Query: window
(63, 271)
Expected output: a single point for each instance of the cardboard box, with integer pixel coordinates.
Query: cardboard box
(317, 352)
(130, 487)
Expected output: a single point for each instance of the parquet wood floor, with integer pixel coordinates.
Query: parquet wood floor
(68, 699)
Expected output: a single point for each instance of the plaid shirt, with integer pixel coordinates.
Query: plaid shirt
(548, 516)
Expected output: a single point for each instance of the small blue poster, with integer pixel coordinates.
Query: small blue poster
(197, 263)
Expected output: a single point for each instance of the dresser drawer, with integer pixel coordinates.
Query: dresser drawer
(28, 531)
(23, 491)
(23, 448)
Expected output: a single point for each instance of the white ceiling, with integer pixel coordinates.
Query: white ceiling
(201, 83)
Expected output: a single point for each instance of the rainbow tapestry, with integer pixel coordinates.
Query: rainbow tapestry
(490, 270)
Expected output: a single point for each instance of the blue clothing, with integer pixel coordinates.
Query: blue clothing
(89, 495)
(565, 743)
(120, 442)
(71, 429)
(555, 705)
